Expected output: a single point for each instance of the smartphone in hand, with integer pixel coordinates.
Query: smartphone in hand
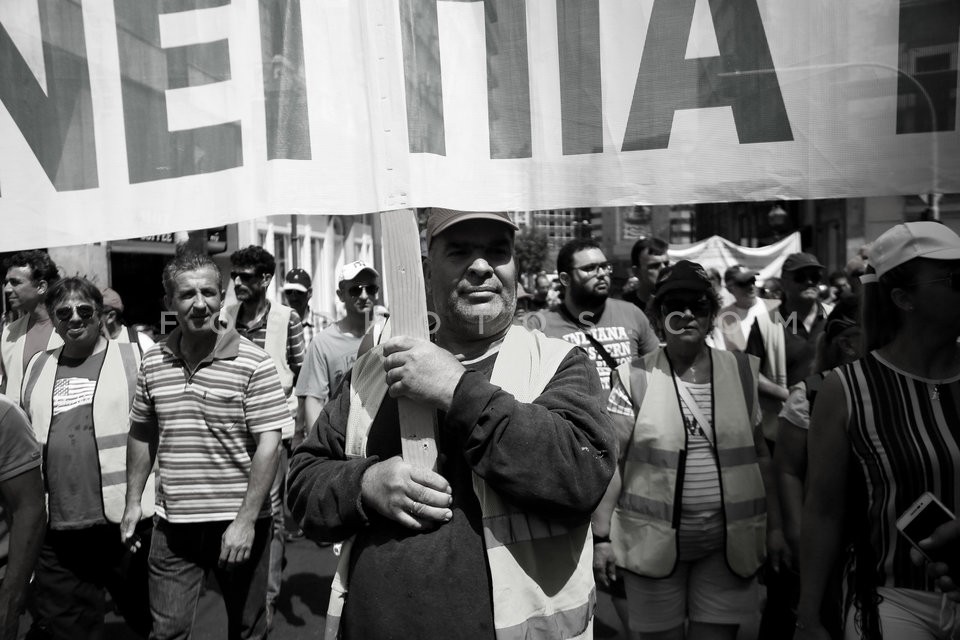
(920, 520)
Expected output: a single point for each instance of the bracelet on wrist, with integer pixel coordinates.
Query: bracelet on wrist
(600, 539)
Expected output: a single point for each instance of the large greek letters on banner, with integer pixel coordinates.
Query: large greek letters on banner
(122, 119)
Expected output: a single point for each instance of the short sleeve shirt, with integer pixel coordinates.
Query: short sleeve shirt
(329, 357)
(19, 453)
(207, 420)
(622, 329)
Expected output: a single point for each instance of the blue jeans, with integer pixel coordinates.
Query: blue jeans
(180, 556)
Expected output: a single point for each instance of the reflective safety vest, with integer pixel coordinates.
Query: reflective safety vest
(525, 552)
(278, 326)
(11, 350)
(645, 525)
(112, 398)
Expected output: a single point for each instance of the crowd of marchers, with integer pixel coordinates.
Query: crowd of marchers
(706, 449)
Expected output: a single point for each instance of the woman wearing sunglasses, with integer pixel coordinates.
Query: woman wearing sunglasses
(691, 519)
(890, 420)
(78, 400)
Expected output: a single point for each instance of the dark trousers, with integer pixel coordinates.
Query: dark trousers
(73, 571)
(181, 555)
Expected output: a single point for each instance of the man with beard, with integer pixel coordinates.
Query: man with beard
(30, 274)
(209, 410)
(611, 331)
(333, 351)
(276, 329)
(525, 452)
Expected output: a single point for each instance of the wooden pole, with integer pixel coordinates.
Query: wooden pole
(403, 278)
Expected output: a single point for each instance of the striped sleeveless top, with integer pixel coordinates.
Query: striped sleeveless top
(905, 435)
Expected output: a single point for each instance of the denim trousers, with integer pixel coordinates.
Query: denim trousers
(74, 570)
(180, 556)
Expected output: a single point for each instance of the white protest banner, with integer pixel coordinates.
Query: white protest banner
(123, 118)
(720, 254)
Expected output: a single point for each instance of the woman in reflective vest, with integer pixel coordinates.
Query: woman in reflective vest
(690, 523)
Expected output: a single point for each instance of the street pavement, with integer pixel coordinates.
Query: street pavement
(302, 605)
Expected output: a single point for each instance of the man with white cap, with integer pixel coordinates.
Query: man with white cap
(333, 351)
(496, 542)
(112, 322)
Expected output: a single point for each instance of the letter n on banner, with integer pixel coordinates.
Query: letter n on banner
(148, 70)
(57, 122)
(667, 82)
(508, 77)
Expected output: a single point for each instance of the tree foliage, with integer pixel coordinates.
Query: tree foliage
(531, 248)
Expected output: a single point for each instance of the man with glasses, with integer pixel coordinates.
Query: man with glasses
(736, 319)
(786, 343)
(276, 329)
(29, 276)
(610, 331)
(78, 398)
(333, 351)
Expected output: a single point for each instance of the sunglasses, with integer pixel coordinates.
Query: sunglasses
(697, 306)
(953, 279)
(371, 290)
(596, 267)
(810, 276)
(85, 311)
(752, 282)
(245, 278)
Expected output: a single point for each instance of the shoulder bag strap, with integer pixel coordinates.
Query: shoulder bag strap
(609, 359)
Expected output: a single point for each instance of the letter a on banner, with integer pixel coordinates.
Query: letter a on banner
(667, 82)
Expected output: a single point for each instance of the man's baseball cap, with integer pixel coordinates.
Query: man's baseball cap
(297, 280)
(682, 276)
(797, 261)
(739, 274)
(353, 269)
(910, 240)
(442, 219)
(111, 299)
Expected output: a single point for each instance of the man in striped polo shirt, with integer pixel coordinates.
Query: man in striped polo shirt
(209, 408)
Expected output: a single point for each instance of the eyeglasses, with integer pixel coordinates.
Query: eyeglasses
(811, 276)
(595, 268)
(746, 284)
(953, 279)
(371, 290)
(245, 277)
(697, 306)
(85, 311)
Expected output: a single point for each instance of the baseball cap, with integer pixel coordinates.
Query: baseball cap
(351, 270)
(297, 280)
(910, 240)
(111, 299)
(739, 273)
(685, 276)
(442, 219)
(797, 261)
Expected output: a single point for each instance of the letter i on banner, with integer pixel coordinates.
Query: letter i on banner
(403, 277)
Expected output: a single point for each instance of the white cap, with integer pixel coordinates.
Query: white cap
(351, 270)
(910, 240)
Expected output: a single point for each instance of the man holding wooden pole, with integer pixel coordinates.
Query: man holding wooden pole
(495, 543)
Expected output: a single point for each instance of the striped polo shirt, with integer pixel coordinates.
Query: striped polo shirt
(207, 421)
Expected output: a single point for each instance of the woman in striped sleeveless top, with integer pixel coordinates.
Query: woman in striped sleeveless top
(892, 419)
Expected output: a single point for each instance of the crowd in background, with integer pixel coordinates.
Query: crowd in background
(767, 433)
